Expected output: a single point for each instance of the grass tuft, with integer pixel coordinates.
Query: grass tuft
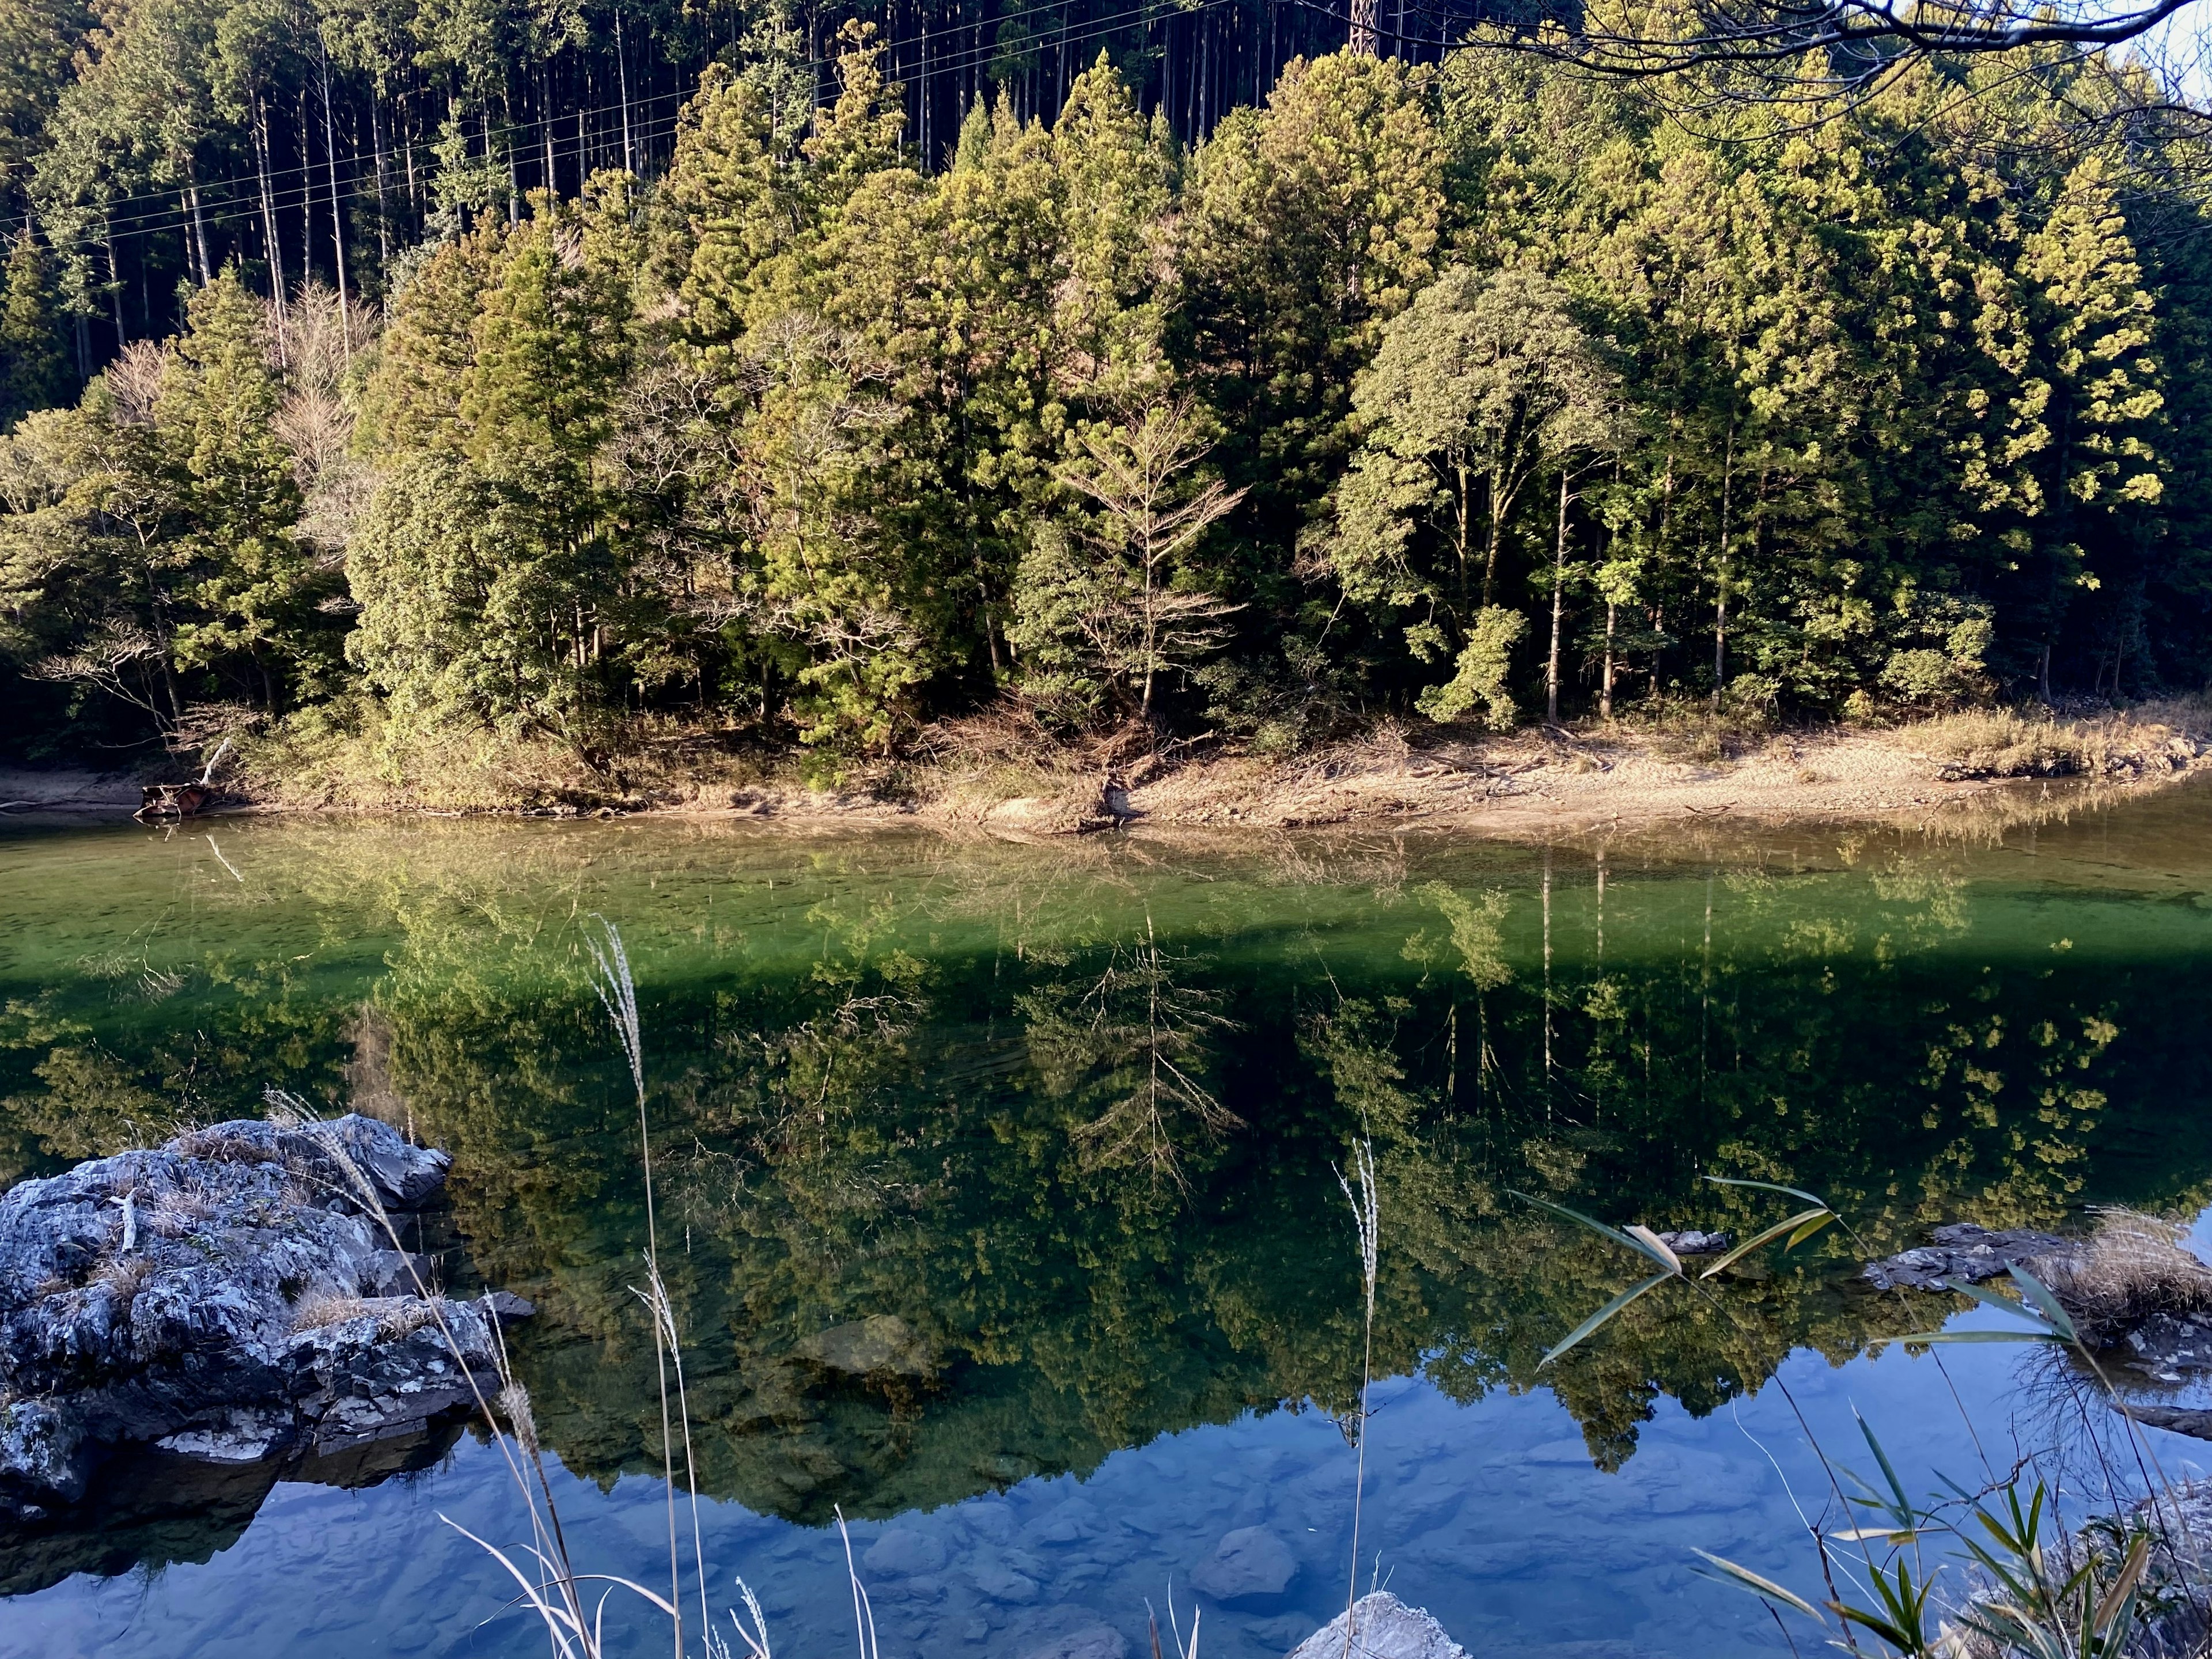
(2133, 1268)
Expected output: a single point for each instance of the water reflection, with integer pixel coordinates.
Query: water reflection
(990, 1161)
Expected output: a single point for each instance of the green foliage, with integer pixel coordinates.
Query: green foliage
(819, 437)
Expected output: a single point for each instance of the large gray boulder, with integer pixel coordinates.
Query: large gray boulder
(1382, 1627)
(230, 1297)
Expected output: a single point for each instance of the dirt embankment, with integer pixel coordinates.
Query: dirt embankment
(1538, 782)
(1549, 780)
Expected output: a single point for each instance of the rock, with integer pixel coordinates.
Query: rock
(508, 1308)
(228, 1298)
(2176, 1419)
(1693, 1243)
(904, 1551)
(878, 1346)
(1250, 1566)
(1092, 1641)
(1382, 1627)
(2166, 1344)
(1965, 1254)
(1000, 1583)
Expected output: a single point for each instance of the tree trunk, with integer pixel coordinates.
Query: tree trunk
(199, 224)
(1720, 578)
(1605, 693)
(621, 72)
(1559, 603)
(383, 211)
(338, 217)
(277, 286)
(1496, 528)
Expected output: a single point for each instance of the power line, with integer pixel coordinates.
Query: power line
(242, 192)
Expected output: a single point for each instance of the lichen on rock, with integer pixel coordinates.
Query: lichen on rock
(231, 1297)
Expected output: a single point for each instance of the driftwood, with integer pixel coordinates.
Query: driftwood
(180, 800)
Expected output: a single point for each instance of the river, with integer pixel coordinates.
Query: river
(1054, 1131)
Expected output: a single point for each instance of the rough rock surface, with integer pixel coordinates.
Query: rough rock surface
(1963, 1254)
(1693, 1243)
(228, 1298)
(1250, 1566)
(2168, 1344)
(1382, 1627)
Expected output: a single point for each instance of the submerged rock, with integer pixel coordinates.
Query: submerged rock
(1963, 1254)
(1382, 1627)
(1693, 1243)
(228, 1298)
(882, 1345)
(1249, 1566)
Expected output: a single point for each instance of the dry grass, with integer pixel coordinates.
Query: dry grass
(218, 1147)
(2133, 1268)
(395, 1315)
(124, 1274)
(1998, 742)
(178, 1211)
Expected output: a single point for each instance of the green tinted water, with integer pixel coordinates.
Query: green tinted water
(1061, 1121)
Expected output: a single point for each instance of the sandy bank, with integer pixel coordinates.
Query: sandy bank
(1537, 783)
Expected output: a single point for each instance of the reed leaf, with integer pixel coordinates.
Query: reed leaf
(2045, 1303)
(1654, 1251)
(1766, 1588)
(1767, 1236)
(1598, 1319)
(1769, 1187)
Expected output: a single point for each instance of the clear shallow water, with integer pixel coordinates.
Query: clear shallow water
(906, 1079)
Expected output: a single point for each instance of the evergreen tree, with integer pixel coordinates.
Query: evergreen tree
(33, 367)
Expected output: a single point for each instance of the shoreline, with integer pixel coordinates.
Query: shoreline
(1531, 784)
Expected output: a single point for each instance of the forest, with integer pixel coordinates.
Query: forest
(377, 371)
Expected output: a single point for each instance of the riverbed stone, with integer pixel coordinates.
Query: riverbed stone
(1092, 1641)
(904, 1551)
(1250, 1567)
(229, 1297)
(1001, 1583)
(880, 1347)
(1382, 1627)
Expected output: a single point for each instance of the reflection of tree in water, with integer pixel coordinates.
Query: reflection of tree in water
(939, 1091)
(1129, 1049)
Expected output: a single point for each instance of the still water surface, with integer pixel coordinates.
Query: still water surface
(1047, 1133)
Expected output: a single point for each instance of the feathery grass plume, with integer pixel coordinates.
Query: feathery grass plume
(1367, 1225)
(618, 993)
(557, 1596)
(756, 1639)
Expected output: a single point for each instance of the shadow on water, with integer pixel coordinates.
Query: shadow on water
(989, 1161)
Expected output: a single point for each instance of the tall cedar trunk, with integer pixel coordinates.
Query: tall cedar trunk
(306, 191)
(1720, 575)
(1559, 601)
(383, 209)
(621, 72)
(338, 217)
(270, 232)
(199, 224)
(115, 289)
